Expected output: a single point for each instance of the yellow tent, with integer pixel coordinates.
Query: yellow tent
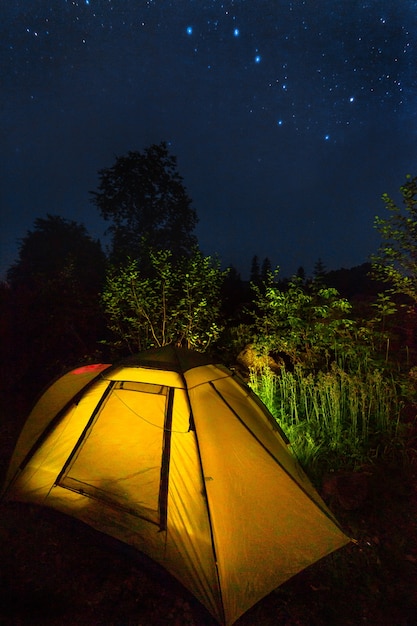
(175, 456)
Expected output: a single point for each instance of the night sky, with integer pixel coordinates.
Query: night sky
(288, 119)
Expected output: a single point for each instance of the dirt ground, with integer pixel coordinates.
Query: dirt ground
(56, 571)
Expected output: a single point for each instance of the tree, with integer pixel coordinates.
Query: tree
(255, 271)
(171, 304)
(143, 196)
(54, 248)
(319, 270)
(395, 262)
(265, 269)
(54, 297)
(301, 273)
(305, 325)
(234, 294)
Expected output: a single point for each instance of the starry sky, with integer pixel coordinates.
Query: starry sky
(289, 119)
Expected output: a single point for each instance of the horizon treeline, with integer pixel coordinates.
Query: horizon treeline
(67, 300)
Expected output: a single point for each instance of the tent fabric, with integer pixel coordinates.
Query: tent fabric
(175, 456)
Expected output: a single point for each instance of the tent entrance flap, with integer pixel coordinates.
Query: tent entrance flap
(107, 463)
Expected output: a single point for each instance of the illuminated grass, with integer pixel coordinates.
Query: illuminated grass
(333, 419)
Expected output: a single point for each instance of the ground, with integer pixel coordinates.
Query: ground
(55, 571)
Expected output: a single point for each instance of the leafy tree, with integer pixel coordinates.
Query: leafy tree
(58, 247)
(144, 198)
(54, 297)
(395, 262)
(307, 326)
(177, 304)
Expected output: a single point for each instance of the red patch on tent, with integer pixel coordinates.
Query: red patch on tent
(86, 369)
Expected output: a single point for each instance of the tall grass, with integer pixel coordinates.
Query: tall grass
(335, 418)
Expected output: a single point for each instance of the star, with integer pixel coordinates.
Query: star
(216, 62)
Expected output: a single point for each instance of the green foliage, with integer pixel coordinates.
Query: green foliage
(335, 396)
(176, 303)
(333, 419)
(144, 198)
(384, 307)
(396, 260)
(307, 324)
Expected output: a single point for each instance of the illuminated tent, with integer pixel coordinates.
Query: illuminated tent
(176, 456)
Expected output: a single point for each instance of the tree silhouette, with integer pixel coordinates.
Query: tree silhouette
(54, 297)
(301, 274)
(255, 271)
(319, 270)
(144, 198)
(57, 247)
(266, 268)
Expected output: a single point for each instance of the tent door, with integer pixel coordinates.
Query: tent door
(122, 457)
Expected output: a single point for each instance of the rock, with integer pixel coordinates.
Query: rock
(251, 359)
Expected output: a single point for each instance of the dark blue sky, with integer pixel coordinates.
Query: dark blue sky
(289, 119)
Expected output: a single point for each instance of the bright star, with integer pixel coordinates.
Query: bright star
(280, 122)
(189, 30)
(326, 137)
